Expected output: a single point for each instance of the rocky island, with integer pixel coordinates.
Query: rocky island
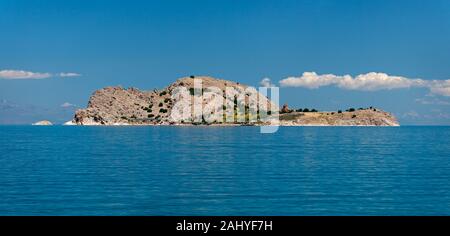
(219, 104)
(42, 123)
(351, 117)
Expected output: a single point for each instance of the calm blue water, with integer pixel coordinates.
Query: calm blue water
(224, 171)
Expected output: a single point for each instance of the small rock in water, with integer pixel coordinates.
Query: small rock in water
(43, 122)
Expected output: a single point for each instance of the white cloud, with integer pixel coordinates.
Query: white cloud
(70, 74)
(311, 80)
(411, 115)
(440, 87)
(366, 82)
(431, 100)
(21, 74)
(266, 83)
(67, 105)
(378, 81)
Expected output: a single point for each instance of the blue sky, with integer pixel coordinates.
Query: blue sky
(149, 44)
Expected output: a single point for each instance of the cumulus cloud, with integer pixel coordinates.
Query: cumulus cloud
(70, 74)
(378, 81)
(266, 83)
(21, 74)
(311, 80)
(440, 87)
(366, 82)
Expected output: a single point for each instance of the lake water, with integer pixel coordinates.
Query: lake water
(224, 171)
